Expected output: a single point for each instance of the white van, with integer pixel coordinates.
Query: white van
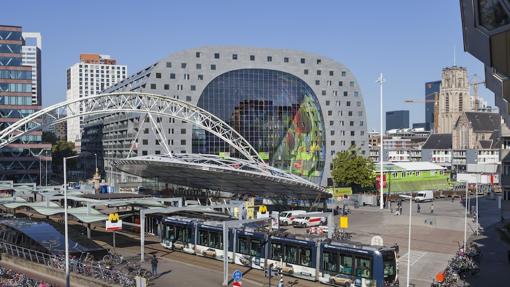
(288, 217)
(309, 221)
(425, 195)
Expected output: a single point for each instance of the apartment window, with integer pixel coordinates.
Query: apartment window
(323, 92)
(197, 54)
(340, 83)
(157, 152)
(317, 82)
(156, 142)
(286, 59)
(345, 94)
(319, 72)
(331, 73)
(306, 71)
(252, 57)
(186, 76)
(188, 98)
(302, 60)
(153, 86)
(193, 87)
(199, 66)
(351, 123)
(183, 65)
(269, 58)
(234, 56)
(350, 113)
(213, 67)
(352, 133)
(166, 86)
(319, 61)
(145, 142)
(200, 77)
(172, 76)
(144, 152)
(158, 75)
(353, 143)
(356, 94)
(180, 88)
(183, 142)
(332, 132)
(348, 103)
(216, 55)
(343, 73)
(330, 113)
(168, 64)
(327, 103)
(183, 131)
(351, 83)
(146, 131)
(331, 123)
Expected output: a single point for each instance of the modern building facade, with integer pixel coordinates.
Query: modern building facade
(432, 90)
(296, 109)
(31, 56)
(23, 160)
(486, 33)
(454, 98)
(89, 77)
(397, 120)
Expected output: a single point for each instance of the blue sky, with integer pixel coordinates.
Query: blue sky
(409, 41)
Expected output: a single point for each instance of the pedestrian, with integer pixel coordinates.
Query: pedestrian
(432, 208)
(419, 208)
(453, 198)
(400, 209)
(154, 264)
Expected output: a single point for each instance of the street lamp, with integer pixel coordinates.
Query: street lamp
(380, 81)
(465, 216)
(409, 237)
(66, 232)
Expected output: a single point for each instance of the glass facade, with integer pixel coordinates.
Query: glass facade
(276, 112)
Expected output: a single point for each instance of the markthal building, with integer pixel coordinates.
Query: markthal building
(296, 109)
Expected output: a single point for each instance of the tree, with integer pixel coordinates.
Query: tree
(350, 168)
(49, 137)
(60, 150)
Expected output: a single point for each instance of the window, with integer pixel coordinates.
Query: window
(153, 86)
(183, 131)
(352, 133)
(166, 86)
(351, 123)
(144, 152)
(145, 142)
(345, 94)
(146, 131)
(183, 65)
(319, 61)
(350, 114)
(331, 73)
(199, 66)
(197, 54)
(348, 103)
(156, 142)
(269, 58)
(327, 103)
(351, 83)
(332, 142)
(331, 123)
(168, 64)
(285, 59)
(213, 67)
(157, 152)
(491, 14)
(252, 57)
(172, 76)
(216, 55)
(188, 98)
(346, 264)
(200, 77)
(158, 75)
(317, 82)
(193, 87)
(183, 142)
(340, 83)
(323, 92)
(363, 268)
(330, 113)
(306, 71)
(343, 73)
(302, 60)
(234, 56)
(319, 72)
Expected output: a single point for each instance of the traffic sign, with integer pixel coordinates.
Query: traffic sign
(237, 284)
(344, 222)
(237, 275)
(114, 222)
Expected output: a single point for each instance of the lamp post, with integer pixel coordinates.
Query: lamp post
(409, 238)
(46, 176)
(465, 216)
(66, 232)
(380, 81)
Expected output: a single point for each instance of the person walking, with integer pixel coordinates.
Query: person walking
(418, 207)
(154, 265)
(432, 208)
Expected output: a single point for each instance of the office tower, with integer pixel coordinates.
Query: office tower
(31, 56)
(431, 90)
(397, 120)
(89, 77)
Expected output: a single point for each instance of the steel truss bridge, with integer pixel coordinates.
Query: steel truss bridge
(153, 105)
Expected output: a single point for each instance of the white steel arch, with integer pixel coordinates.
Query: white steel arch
(130, 102)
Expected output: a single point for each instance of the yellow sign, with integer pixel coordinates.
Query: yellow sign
(262, 209)
(344, 222)
(113, 217)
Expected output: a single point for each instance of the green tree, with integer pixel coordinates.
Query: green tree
(49, 137)
(350, 168)
(60, 150)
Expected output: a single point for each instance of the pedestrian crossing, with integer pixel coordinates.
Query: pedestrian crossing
(415, 257)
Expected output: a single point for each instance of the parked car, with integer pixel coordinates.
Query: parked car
(423, 196)
(288, 217)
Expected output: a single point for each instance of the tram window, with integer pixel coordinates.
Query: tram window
(243, 247)
(330, 262)
(203, 238)
(216, 240)
(346, 265)
(276, 251)
(255, 248)
(170, 233)
(181, 234)
(305, 257)
(291, 255)
(363, 268)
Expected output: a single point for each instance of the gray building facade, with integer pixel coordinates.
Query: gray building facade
(397, 120)
(296, 109)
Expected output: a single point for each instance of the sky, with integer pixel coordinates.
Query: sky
(408, 41)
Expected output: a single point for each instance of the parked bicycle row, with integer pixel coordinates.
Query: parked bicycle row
(11, 278)
(464, 264)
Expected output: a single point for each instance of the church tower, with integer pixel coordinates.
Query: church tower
(454, 98)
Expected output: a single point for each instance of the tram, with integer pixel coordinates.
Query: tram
(329, 262)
